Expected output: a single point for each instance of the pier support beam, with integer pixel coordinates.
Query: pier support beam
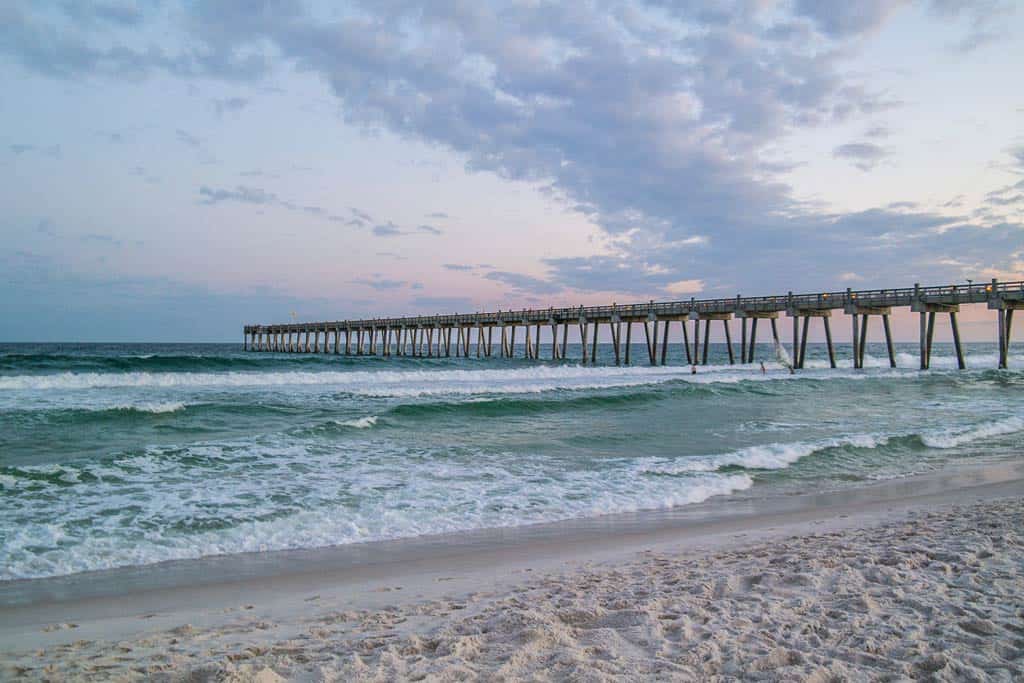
(728, 341)
(1005, 329)
(860, 316)
(707, 340)
(686, 341)
(652, 340)
(629, 339)
(956, 341)
(754, 317)
(696, 337)
(888, 340)
(927, 330)
(1006, 337)
(616, 328)
(1005, 305)
(707, 318)
(664, 342)
(753, 339)
(583, 339)
(800, 349)
(743, 341)
(828, 342)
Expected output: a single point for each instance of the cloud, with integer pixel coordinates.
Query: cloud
(388, 229)
(986, 20)
(457, 266)
(360, 214)
(442, 304)
(60, 42)
(254, 195)
(126, 14)
(845, 19)
(18, 149)
(863, 155)
(523, 283)
(383, 284)
(187, 138)
(656, 122)
(681, 287)
(100, 238)
(243, 194)
(437, 215)
(258, 174)
(230, 105)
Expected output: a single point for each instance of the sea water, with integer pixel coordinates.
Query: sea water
(126, 455)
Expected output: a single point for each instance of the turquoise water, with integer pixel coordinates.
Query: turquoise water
(118, 455)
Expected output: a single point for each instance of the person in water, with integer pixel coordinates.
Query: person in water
(693, 370)
(763, 371)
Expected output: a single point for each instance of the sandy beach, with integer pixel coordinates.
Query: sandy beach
(916, 578)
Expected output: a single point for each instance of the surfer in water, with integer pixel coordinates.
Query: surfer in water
(693, 370)
(763, 371)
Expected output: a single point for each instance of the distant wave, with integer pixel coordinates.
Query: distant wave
(152, 362)
(959, 437)
(774, 456)
(360, 423)
(155, 408)
(424, 382)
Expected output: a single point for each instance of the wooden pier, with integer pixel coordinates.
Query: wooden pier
(474, 333)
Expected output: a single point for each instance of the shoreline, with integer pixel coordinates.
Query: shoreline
(210, 592)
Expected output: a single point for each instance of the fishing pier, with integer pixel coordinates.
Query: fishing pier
(474, 333)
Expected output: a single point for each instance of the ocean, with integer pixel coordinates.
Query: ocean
(131, 454)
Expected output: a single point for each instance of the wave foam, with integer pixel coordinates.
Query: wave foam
(360, 423)
(771, 456)
(959, 437)
(186, 503)
(148, 407)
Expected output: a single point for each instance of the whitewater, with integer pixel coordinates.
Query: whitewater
(129, 455)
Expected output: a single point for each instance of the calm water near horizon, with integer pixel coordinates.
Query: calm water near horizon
(128, 454)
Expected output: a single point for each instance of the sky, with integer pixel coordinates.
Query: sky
(171, 171)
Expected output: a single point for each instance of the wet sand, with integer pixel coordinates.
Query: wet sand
(922, 576)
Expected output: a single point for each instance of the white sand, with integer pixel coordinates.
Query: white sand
(934, 592)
